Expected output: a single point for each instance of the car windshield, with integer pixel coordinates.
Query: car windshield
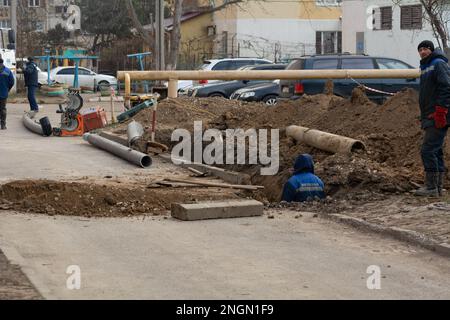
(295, 65)
(204, 66)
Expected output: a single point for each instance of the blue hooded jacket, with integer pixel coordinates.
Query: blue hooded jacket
(434, 86)
(6, 81)
(304, 184)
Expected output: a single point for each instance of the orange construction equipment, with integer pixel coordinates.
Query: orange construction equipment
(72, 123)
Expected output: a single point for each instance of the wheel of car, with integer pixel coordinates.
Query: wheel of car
(103, 84)
(216, 95)
(271, 100)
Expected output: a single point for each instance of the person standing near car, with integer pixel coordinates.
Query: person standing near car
(31, 82)
(6, 83)
(434, 103)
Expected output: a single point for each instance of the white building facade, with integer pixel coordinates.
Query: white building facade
(385, 28)
(279, 30)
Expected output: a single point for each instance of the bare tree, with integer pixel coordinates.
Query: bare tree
(175, 36)
(437, 14)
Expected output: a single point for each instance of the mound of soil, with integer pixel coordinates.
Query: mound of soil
(96, 200)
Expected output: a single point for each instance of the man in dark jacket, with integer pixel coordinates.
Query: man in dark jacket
(6, 84)
(31, 82)
(434, 104)
(304, 185)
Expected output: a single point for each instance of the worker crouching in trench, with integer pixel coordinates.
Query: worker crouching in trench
(304, 185)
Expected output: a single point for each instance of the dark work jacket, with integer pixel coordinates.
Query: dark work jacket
(31, 75)
(434, 86)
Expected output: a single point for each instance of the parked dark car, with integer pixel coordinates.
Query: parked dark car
(293, 89)
(227, 88)
(263, 92)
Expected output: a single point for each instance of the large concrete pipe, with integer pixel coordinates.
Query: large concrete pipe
(135, 131)
(324, 140)
(32, 125)
(135, 157)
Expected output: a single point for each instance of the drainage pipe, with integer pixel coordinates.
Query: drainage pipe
(135, 157)
(135, 131)
(32, 125)
(324, 140)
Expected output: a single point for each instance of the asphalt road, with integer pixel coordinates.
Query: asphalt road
(258, 258)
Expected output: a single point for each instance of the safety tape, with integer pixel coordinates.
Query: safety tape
(371, 89)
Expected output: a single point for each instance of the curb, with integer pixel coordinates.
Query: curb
(404, 235)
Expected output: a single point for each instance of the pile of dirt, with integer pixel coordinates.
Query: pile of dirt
(180, 114)
(96, 200)
(391, 132)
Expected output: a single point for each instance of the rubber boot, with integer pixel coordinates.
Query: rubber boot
(431, 186)
(3, 119)
(441, 179)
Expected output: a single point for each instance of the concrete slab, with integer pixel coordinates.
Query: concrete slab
(217, 210)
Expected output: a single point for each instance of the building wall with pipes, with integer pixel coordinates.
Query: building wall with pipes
(364, 30)
(197, 36)
(278, 30)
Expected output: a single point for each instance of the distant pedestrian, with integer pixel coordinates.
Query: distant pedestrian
(31, 82)
(6, 83)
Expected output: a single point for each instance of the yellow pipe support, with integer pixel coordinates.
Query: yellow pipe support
(173, 88)
(269, 75)
(127, 98)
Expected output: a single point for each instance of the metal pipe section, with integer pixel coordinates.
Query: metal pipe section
(127, 98)
(135, 157)
(135, 131)
(324, 140)
(32, 125)
(269, 74)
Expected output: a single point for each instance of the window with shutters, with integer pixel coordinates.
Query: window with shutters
(382, 18)
(411, 17)
(386, 18)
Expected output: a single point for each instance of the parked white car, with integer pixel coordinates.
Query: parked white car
(42, 77)
(219, 64)
(86, 77)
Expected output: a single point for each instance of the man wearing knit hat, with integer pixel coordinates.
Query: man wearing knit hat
(434, 103)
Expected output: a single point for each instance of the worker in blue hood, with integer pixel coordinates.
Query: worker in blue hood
(304, 185)
(434, 103)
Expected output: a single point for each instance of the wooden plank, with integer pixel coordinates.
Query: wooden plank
(215, 184)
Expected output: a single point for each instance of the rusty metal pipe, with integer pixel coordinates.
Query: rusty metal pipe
(324, 140)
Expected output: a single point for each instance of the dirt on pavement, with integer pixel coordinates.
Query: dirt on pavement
(14, 285)
(97, 199)
(391, 133)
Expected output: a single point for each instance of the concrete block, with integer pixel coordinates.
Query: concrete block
(217, 210)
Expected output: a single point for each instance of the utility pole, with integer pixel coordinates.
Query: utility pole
(14, 20)
(159, 43)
